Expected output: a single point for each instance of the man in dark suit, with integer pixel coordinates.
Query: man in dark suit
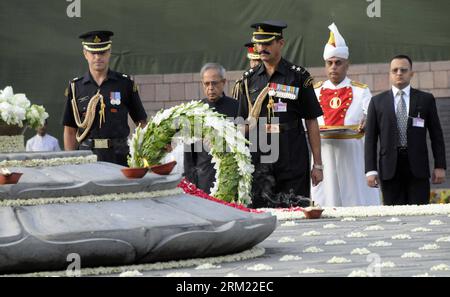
(198, 168)
(400, 118)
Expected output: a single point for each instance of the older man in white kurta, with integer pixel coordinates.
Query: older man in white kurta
(344, 103)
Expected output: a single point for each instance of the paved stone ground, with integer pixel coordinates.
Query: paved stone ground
(403, 266)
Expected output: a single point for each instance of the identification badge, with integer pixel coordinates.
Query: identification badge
(100, 143)
(280, 107)
(272, 128)
(418, 122)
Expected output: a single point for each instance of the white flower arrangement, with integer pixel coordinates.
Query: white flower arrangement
(16, 109)
(242, 256)
(358, 273)
(13, 143)
(233, 167)
(289, 224)
(443, 239)
(49, 162)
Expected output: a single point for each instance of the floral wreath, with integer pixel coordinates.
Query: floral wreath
(233, 166)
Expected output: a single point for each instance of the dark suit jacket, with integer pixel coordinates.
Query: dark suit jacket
(198, 168)
(382, 124)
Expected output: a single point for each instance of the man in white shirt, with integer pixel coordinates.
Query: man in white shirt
(42, 142)
(344, 103)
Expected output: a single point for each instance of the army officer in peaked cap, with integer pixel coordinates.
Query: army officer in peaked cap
(98, 104)
(280, 91)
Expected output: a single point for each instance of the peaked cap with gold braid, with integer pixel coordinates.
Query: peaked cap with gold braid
(97, 41)
(267, 31)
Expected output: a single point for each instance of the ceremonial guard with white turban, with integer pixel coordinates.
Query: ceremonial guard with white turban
(344, 103)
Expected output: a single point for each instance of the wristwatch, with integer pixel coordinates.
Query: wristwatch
(318, 167)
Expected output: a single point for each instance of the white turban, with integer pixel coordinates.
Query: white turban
(335, 46)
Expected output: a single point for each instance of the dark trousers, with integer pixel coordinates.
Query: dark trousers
(405, 188)
(116, 153)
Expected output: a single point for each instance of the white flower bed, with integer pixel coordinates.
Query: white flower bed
(178, 274)
(358, 273)
(49, 162)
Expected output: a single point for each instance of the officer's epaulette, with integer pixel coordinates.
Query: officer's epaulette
(75, 79)
(126, 75)
(249, 72)
(318, 84)
(296, 68)
(359, 84)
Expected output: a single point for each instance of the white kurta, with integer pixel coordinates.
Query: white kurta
(46, 143)
(344, 181)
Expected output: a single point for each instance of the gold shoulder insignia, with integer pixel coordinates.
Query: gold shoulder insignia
(359, 84)
(75, 79)
(318, 84)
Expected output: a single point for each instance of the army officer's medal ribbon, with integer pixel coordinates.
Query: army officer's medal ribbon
(115, 98)
(283, 91)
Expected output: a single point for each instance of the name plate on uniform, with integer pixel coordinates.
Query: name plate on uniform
(100, 143)
(272, 128)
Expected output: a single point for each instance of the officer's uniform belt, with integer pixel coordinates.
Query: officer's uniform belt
(284, 127)
(103, 143)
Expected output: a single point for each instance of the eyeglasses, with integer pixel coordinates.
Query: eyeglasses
(402, 70)
(213, 83)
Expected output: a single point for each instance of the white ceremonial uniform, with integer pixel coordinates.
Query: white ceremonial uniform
(344, 181)
(46, 143)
